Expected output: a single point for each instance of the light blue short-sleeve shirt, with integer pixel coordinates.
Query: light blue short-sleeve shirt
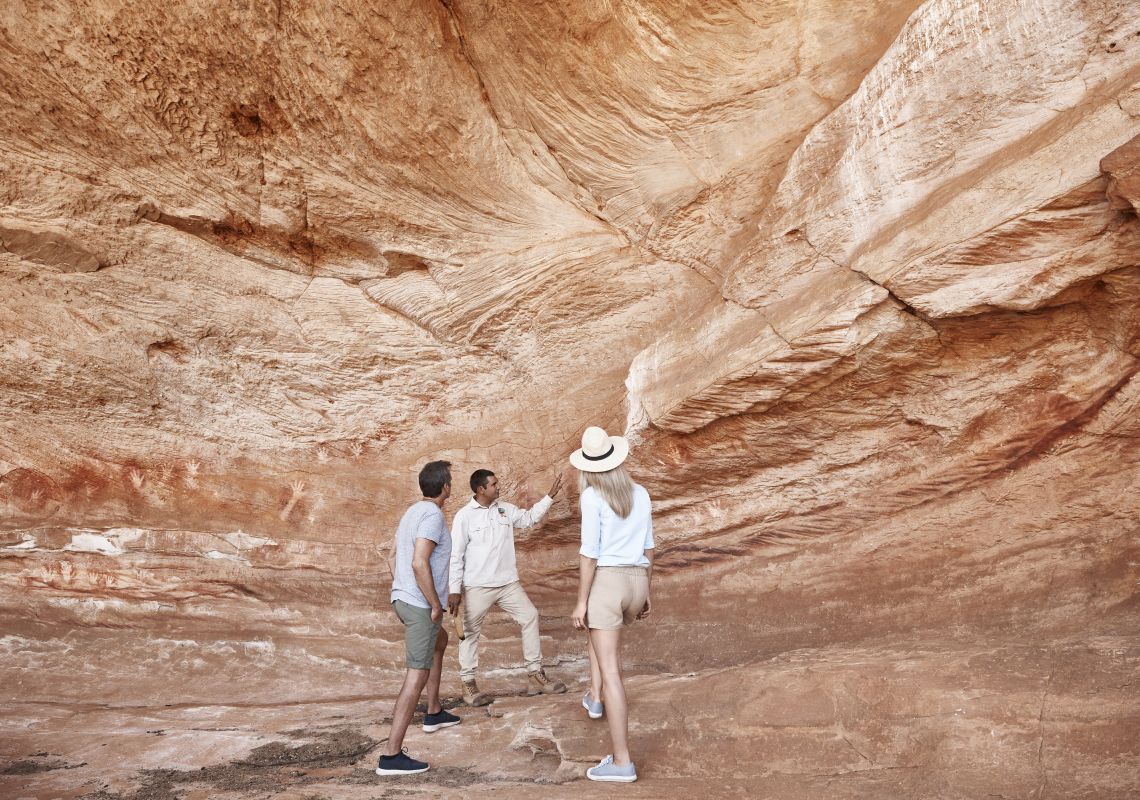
(613, 541)
(424, 520)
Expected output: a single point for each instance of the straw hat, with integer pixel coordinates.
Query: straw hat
(600, 452)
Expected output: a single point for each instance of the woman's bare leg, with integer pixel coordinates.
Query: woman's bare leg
(607, 648)
(595, 671)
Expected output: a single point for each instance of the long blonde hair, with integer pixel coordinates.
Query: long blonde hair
(615, 486)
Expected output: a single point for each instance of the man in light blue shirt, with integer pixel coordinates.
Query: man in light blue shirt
(424, 520)
(420, 559)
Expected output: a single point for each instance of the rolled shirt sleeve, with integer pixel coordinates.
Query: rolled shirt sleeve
(458, 551)
(525, 517)
(649, 534)
(591, 525)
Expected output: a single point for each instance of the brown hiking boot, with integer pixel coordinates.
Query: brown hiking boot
(538, 683)
(473, 697)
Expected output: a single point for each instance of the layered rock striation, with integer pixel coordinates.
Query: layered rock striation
(861, 284)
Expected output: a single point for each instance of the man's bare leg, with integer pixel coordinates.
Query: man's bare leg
(433, 706)
(409, 695)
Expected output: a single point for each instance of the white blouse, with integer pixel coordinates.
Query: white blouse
(611, 540)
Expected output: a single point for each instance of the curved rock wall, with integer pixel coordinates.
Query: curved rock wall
(861, 283)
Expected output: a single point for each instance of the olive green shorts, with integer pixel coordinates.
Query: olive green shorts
(420, 634)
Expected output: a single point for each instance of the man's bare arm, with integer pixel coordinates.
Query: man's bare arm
(392, 556)
(421, 566)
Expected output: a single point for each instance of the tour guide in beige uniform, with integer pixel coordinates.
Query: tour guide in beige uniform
(483, 574)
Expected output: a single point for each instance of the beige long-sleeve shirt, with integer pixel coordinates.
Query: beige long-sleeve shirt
(483, 542)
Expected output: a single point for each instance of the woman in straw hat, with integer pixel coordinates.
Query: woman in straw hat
(615, 566)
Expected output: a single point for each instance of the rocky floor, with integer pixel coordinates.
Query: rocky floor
(972, 647)
(901, 718)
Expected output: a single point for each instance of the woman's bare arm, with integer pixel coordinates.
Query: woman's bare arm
(586, 568)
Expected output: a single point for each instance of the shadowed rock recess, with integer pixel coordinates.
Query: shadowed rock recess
(860, 280)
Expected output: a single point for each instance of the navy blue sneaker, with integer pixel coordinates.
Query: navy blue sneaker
(400, 764)
(444, 719)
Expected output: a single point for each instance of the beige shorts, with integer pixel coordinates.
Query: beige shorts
(617, 596)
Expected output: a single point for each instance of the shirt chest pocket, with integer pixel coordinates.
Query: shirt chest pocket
(481, 534)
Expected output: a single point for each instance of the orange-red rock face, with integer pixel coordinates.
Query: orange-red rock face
(861, 284)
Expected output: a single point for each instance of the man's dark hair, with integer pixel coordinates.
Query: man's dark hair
(479, 478)
(434, 476)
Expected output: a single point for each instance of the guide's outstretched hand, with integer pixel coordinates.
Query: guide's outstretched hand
(555, 487)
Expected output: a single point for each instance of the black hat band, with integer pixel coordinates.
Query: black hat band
(602, 457)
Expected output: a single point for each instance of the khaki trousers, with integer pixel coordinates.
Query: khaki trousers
(477, 601)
